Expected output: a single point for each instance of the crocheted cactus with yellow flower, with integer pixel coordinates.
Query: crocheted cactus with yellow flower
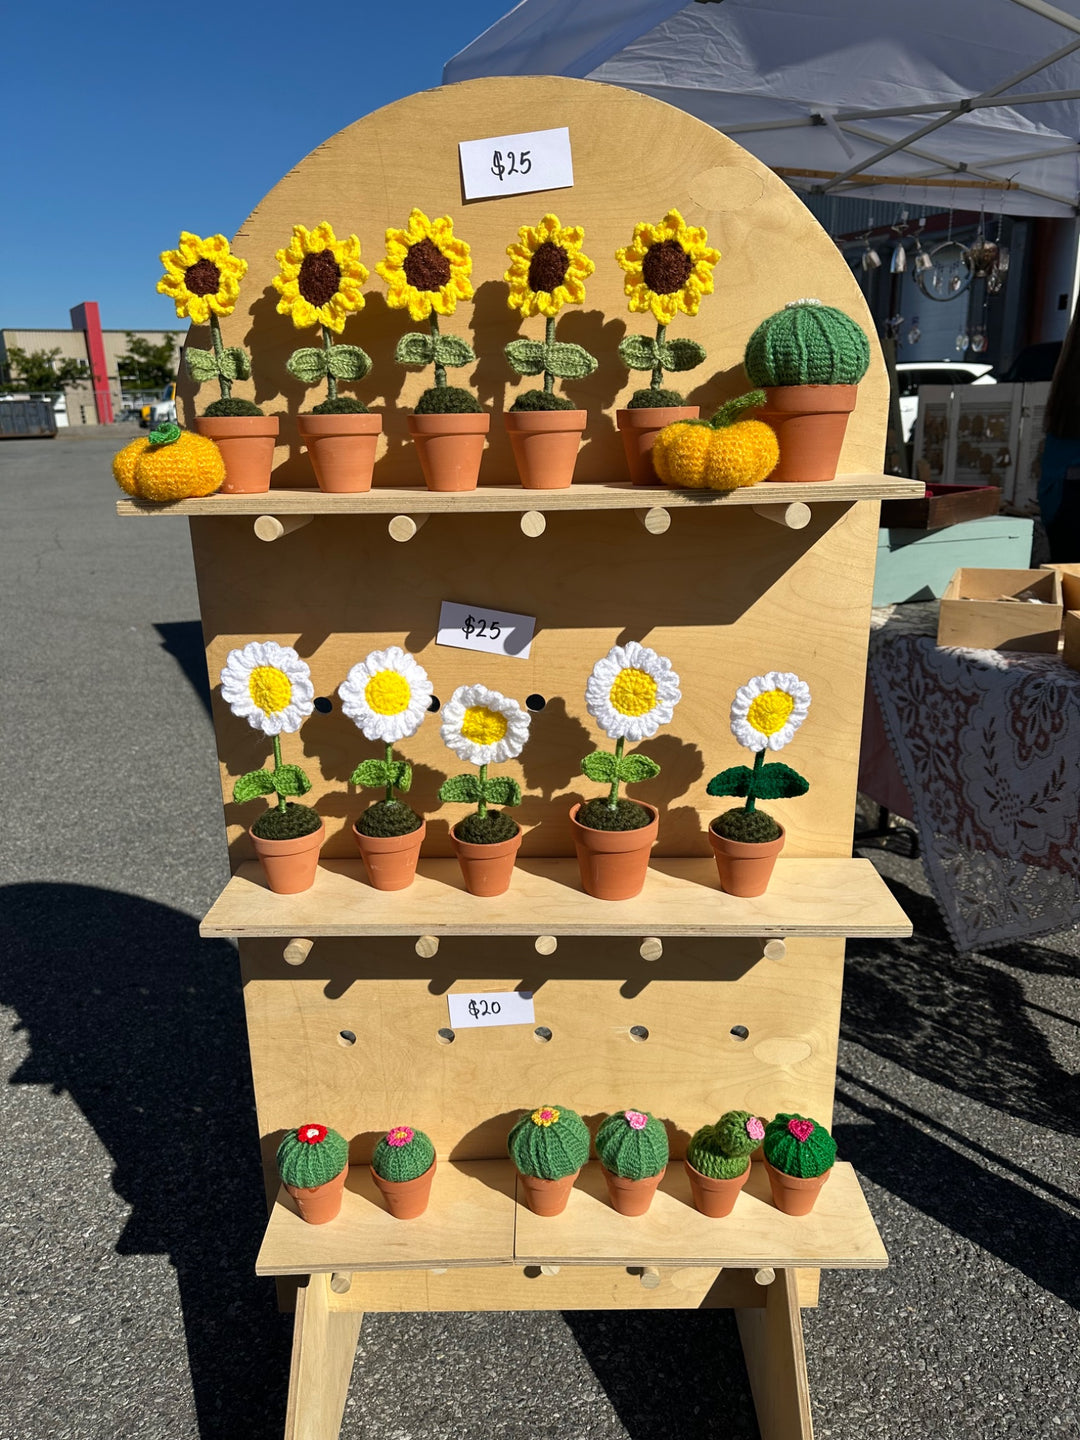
(548, 270)
(724, 453)
(427, 269)
(202, 278)
(668, 269)
(320, 281)
(484, 728)
(631, 692)
(386, 695)
(169, 464)
(549, 1142)
(765, 714)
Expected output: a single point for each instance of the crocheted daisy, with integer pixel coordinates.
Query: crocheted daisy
(768, 709)
(483, 727)
(386, 695)
(269, 686)
(631, 692)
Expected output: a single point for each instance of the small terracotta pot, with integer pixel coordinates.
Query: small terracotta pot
(390, 860)
(406, 1199)
(744, 869)
(793, 1194)
(810, 421)
(319, 1204)
(640, 428)
(487, 869)
(631, 1197)
(341, 449)
(547, 1197)
(545, 445)
(290, 865)
(714, 1198)
(247, 444)
(614, 863)
(449, 448)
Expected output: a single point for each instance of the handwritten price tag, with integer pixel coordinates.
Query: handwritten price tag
(516, 164)
(508, 1007)
(478, 627)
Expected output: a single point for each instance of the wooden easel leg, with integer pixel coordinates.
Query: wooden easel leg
(772, 1342)
(324, 1346)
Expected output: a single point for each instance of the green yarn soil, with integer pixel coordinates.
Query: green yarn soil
(388, 817)
(233, 406)
(749, 827)
(627, 815)
(343, 405)
(654, 399)
(447, 400)
(288, 824)
(490, 829)
(541, 400)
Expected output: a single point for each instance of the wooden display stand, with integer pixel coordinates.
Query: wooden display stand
(685, 1001)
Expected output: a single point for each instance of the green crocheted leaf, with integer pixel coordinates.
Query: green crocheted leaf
(347, 362)
(568, 362)
(525, 356)
(779, 782)
(371, 773)
(637, 767)
(681, 354)
(461, 790)
(201, 365)
(414, 349)
(638, 352)
(452, 351)
(502, 790)
(290, 780)
(601, 766)
(241, 364)
(308, 365)
(733, 781)
(402, 778)
(252, 785)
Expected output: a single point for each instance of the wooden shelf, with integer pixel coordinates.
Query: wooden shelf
(474, 1219)
(493, 499)
(681, 897)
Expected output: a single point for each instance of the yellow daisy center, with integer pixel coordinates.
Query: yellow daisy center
(634, 692)
(270, 688)
(770, 712)
(483, 726)
(388, 693)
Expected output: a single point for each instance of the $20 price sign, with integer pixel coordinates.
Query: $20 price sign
(507, 1007)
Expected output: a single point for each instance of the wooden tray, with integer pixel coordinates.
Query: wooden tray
(941, 505)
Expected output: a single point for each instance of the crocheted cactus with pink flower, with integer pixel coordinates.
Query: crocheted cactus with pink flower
(633, 1144)
(403, 1154)
(311, 1155)
(549, 1142)
(722, 1151)
(799, 1146)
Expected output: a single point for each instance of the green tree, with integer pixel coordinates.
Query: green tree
(41, 370)
(146, 366)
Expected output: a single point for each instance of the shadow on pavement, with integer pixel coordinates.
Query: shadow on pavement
(183, 640)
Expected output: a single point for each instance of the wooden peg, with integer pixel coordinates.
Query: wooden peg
(273, 527)
(404, 527)
(795, 516)
(650, 1277)
(549, 1269)
(533, 523)
(427, 947)
(774, 950)
(765, 1276)
(651, 948)
(340, 1282)
(297, 951)
(657, 521)
(545, 944)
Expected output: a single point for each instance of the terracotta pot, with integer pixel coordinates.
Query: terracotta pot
(631, 1197)
(714, 1198)
(247, 444)
(487, 869)
(290, 865)
(547, 1197)
(793, 1194)
(614, 863)
(810, 421)
(545, 445)
(320, 1203)
(406, 1199)
(341, 449)
(390, 860)
(640, 428)
(745, 869)
(449, 448)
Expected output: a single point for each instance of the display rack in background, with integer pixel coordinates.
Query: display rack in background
(984, 435)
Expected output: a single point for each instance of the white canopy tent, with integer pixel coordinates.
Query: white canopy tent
(949, 103)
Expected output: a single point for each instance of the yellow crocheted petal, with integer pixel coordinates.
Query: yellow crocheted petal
(666, 307)
(679, 454)
(671, 227)
(444, 301)
(332, 315)
(349, 292)
(220, 305)
(321, 238)
(460, 284)
(418, 228)
(572, 290)
(397, 246)
(550, 302)
(580, 265)
(629, 259)
(420, 304)
(125, 461)
(304, 314)
(189, 248)
(646, 235)
(197, 309)
(571, 237)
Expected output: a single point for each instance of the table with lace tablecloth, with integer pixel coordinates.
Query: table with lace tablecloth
(987, 747)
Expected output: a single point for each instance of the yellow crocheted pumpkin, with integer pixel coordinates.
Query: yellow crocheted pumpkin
(170, 464)
(718, 454)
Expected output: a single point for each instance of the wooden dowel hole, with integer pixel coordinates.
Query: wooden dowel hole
(740, 1032)
(639, 1033)
(346, 1038)
(542, 1034)
(445, 1036)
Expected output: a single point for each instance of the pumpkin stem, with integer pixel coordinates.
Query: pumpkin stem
(731, 410)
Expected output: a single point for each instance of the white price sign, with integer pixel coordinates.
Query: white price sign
(507, 1007)
(479, 627)
(516, 164)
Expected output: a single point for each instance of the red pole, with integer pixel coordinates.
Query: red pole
(85, 317)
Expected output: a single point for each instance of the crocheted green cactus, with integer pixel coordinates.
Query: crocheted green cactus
(550, 1142)
(722, 1151)
(798, 1146)
(633, 1144)
(311, 1155)
(807, 343)
(403, 1154)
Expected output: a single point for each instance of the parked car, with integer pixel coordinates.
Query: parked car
(161, 410)
(912, 374)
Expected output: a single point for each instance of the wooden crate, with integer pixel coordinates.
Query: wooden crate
(1071, 626)
(942, 505)
(1070, 583)
(976, 613)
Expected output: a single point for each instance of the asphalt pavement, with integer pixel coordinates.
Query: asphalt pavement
(131, 1205)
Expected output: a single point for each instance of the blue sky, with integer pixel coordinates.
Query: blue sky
(126, 123)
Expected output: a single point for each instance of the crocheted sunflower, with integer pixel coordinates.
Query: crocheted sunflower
(548, 270)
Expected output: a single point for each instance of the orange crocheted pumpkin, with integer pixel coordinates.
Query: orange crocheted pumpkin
(169, 464)
(718, 454)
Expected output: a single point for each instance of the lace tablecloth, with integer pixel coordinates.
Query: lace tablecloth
(988, 745)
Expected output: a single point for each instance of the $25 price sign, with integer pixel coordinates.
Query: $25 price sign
(507, 1007)
(479, 627)
(516, 164)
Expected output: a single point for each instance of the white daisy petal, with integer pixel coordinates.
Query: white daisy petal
(768, 709)
(386, 695)
(283, 695)
(483, 727)
(632, 691)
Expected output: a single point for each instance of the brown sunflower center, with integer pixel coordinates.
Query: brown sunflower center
(319, 277)
(202, 278)
(426, 267)
(666, 267)
(548, 267)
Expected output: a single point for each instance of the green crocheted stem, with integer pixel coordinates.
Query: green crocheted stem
(807, 343)
(799, 1146)
(440, 369)
(613, 793)
(722, 1150)
(399, 1159)
(658, 370)
(549, 339)
(549, 1150)
(305, 1165)
(631, 1149)
(759, 761)
(733, 410)
(219, 351)
(331, 382)
(277, 766)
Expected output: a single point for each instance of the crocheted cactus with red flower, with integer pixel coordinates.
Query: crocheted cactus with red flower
(633, 1144)
(799, 1146)
(403, 1154)
(311, 1155)
(722, 1151)
(549, 1142)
